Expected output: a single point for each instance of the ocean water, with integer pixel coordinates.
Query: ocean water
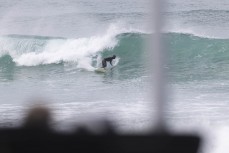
(49, 50)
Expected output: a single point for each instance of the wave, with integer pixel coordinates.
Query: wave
(192, 57)
(191, 46)
(192, 32)
(189, 56)
(42, 50)
(199, 32)
(38, 50)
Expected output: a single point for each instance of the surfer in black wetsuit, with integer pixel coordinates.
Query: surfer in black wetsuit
(108, 59)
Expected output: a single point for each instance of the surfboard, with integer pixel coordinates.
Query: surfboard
(100, 70)
(103, 70)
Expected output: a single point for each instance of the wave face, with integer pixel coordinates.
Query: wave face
(193, 57)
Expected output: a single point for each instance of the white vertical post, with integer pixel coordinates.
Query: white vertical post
(158, 68)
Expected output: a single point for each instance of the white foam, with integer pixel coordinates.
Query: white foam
(80, 51)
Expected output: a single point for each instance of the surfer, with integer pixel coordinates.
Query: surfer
(108, 59)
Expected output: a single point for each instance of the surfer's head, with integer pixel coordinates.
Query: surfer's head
(114, 56)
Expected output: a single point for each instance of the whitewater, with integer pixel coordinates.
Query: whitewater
(49, 50)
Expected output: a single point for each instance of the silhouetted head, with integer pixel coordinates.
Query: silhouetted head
(38, 117)
(114, 56)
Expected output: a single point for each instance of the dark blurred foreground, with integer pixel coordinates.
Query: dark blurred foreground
(36, 136)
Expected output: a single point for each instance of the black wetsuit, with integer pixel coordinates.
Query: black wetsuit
(105, 60)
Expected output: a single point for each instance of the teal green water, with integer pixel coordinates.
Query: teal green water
(195, 58)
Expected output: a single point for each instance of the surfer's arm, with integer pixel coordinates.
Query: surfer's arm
(111, 63)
